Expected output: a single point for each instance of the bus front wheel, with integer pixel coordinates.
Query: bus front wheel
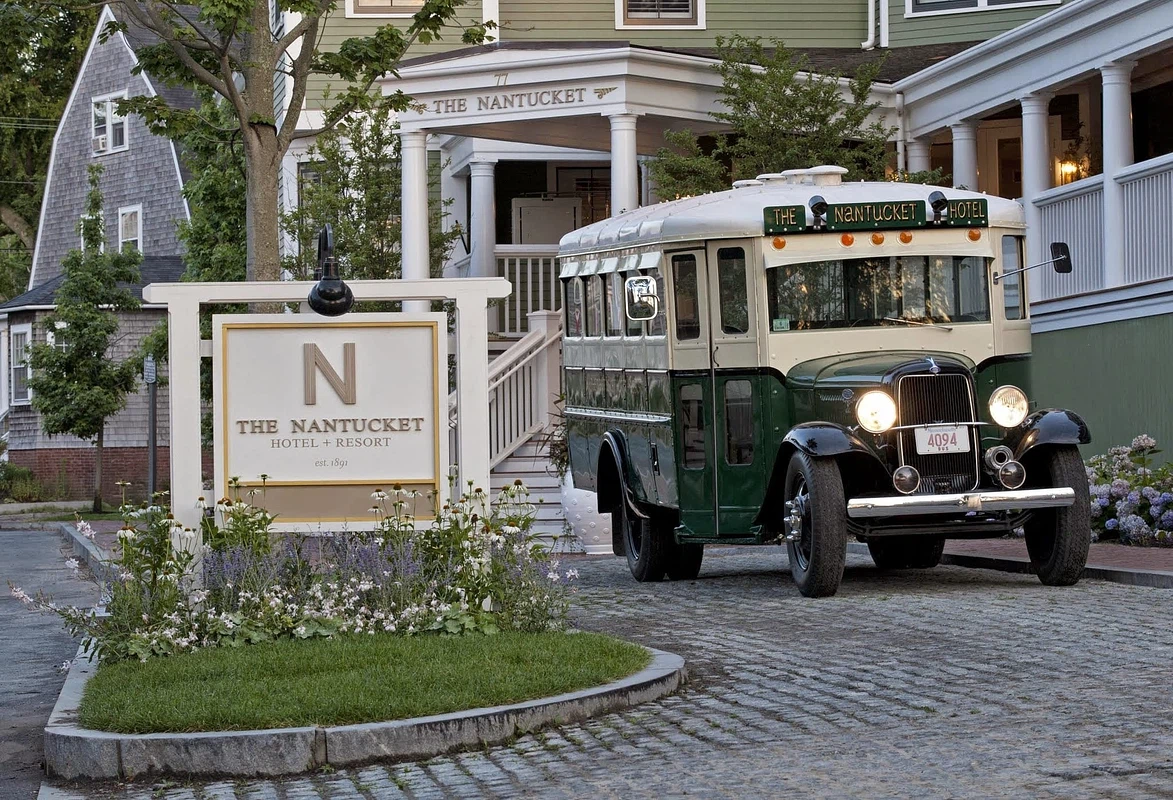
(816, 523)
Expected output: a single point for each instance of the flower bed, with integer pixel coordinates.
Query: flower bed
(476, 568)
(1131, 500)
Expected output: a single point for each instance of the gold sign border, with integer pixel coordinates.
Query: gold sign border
(435, 328)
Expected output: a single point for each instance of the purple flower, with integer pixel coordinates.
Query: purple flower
(1112, 524)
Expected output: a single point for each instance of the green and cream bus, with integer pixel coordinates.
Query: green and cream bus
(800, 360)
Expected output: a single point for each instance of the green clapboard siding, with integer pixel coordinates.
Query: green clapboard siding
(971, 26)
(1114, 375)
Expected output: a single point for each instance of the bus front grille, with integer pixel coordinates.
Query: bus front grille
(938, 399)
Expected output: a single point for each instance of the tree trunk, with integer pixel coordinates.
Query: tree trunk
(98, 475)
(263, 260)
(18, 225)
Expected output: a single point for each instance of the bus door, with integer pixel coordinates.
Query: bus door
(736, 387)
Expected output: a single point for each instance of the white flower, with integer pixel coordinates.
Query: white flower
(86, 530)
(73, 565)
(21, 595)
(571, 574)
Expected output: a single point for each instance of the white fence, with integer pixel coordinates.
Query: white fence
(533, 272)
(1148, 219)
(1074, 214)
(523, 387)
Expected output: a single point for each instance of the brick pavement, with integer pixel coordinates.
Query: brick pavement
(1103, 554)
(948, 683)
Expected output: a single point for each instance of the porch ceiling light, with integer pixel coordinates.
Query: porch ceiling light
(875, 411)
(1008, 406)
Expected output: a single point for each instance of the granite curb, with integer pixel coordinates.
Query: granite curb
(1157, 579)
(86, 550)
(73, 752)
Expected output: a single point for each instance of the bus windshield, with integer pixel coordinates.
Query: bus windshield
(864, 292)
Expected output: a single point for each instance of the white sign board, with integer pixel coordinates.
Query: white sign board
(312, 414)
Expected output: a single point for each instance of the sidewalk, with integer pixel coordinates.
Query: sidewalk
(1136, 566)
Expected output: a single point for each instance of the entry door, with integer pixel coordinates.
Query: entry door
(736, 384)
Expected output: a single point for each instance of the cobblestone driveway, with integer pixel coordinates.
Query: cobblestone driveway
(948, 683)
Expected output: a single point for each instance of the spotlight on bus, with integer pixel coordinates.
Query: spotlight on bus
(330, 297)
(818, 207)
(938, 202)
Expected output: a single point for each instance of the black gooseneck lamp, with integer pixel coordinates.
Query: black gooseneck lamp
(938, 203)
(330, 297)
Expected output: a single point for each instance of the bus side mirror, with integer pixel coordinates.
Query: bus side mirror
(640, 299)
(1061, 255)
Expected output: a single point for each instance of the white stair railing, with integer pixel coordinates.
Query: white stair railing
(524, 384)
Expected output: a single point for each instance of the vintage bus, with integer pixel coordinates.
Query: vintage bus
(800, 360)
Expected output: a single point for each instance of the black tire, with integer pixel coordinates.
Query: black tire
(683, 562)
(818, 556)
(643, 548)
(1058, 539)
(907, 552)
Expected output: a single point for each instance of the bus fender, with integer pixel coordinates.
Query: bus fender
(613, 476)
(816, 439)
(1049, 426)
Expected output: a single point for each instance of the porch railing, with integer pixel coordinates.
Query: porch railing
(1074, 214)
(524, 384)
(1148, 219)
(533, 271)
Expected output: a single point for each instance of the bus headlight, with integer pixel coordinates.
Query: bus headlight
(1008, 406)
(876, 412)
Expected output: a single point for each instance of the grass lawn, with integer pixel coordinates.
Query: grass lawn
(347, 680)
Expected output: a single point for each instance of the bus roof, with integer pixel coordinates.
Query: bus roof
(738, 213)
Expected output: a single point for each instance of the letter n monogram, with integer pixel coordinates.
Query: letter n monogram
(345, 388)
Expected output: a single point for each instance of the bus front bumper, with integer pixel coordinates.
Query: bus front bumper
(916, 505)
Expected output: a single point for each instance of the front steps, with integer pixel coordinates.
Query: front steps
(530, 464)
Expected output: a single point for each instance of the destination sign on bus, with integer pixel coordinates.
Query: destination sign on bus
(877, 216)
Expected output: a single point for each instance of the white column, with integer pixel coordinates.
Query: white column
(414, 211)
(624, 171)
(472, 403)
(918, 155)
(483, 220)
(183, 376)
(1036, 174)
(455, 188)
(965, 158)
(1117, 82)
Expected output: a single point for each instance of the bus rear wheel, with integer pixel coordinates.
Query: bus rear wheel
(906, 552)
(645, 550)
(816, 519)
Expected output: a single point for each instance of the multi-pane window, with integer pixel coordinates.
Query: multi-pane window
(81, 223)
(928, 6)
(19, 339)
(130, 229)
(109, 129)
(669, 12)
(380, 7)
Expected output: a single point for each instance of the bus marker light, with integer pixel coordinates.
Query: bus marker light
(847, 240)
(779, 242)
(905, 237)
(877, 239)
(974, 234)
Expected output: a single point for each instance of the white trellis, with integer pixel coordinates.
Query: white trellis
(183, 301)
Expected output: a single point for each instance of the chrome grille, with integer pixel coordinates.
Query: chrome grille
(932, 399)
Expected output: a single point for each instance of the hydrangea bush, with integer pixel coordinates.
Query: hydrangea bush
(476, 568)
(1131, 500)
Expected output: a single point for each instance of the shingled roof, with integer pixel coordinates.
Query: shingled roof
(153, 269)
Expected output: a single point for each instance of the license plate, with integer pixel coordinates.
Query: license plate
(935, 439)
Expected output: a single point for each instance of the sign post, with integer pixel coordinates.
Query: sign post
(151, 378)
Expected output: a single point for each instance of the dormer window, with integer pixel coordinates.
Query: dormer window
(109, 129)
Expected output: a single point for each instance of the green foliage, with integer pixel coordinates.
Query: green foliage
(41, 48)
(931, 177)
(348, 681)
(76, 383)
(356, 189)
(19, 484)
(780, 116)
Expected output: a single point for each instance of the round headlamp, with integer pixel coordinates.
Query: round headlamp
(876, 412)
(1008, 406)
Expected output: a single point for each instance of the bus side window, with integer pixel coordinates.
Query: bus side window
(634, 326)
(656, 323)
(731, 284)
(1012, 285)
(573, 303)
(692, 425)
(613, 303)
(738, 422)
(688, 320)
(594, 305)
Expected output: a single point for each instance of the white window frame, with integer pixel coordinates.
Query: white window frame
(978, 5)
(51, 336)
(135, 209)
(622, 23)
(111, 115)
(82, 237)
(14, 331)
(407, 13)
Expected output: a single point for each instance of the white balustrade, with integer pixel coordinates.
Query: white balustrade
(1074, 214)
(1148, 219)
(533, 271)
(524, 385)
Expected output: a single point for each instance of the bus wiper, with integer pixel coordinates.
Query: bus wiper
(921, 324)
